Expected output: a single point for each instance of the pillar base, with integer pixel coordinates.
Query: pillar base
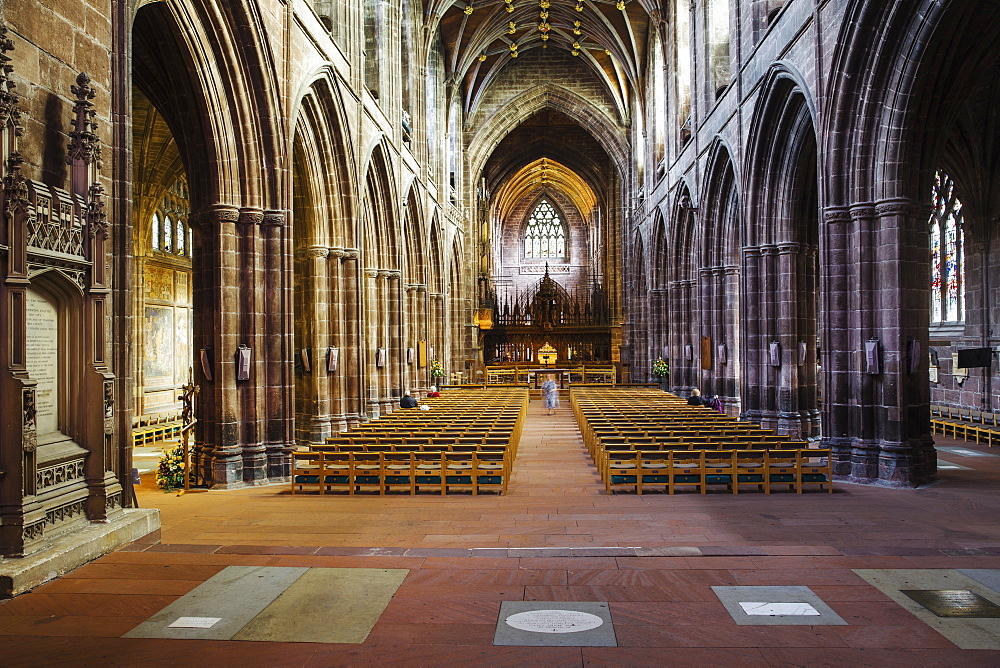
(18, 575)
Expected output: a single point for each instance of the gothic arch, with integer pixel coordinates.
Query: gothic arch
(515, 111)
(683, 292)
(779, 272)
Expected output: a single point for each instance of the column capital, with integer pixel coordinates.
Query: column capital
(273, 219)
(371, 273)
(900, 206)
(219, 213)
(313, 252)
(836, 215)
(250, 217)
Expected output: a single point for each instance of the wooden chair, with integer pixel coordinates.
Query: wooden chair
(685, 468)
(621, 470)
(308, 469)
(366, 471)
(782, 468)
(751, 467)
(399, 469)
(653, 469)
(720, 468)
(490, 470)
(429, 470)
(814, 468)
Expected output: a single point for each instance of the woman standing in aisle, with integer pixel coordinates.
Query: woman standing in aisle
(551, 392)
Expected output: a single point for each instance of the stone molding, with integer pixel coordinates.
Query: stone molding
(836, 214)
(312, 252)
(250, 217)
(273, 219)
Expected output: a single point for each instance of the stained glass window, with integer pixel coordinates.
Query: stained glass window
(546, 235)
(180, 237)
(156, 232)
(168, 234)
(947, 241)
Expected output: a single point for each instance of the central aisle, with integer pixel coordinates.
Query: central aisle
(551, 457)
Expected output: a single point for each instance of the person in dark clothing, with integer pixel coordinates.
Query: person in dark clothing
(695, 398)
(407, 401)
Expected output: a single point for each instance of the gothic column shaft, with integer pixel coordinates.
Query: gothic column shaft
(251, 333)
(754, 352)
(216, 332)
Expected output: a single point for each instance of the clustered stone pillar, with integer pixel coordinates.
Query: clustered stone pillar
(682, 374)
(729, 388)
(353, 357)
(875, 277)
(336, 299)
(755, 355)
(216, 304)
(371, 343)
(316, 336)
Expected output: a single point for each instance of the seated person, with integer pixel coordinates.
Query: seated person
(407, 401)
(433, 391)
(695, 398)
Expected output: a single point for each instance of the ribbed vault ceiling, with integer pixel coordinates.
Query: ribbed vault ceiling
(481, 37)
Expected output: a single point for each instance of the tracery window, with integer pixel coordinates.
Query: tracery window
(947, 252)
(170, 232)
(545, 235)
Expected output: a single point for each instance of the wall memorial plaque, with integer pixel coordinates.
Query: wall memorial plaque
(42, 339)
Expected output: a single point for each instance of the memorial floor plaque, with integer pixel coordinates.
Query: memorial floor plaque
(792, 605)
(954, 603)
(555, 624)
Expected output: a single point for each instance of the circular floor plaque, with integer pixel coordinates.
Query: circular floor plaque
(554, 621)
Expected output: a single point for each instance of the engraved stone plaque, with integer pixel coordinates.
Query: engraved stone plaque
(554, 621)
(954, 603)
(42, 339)
(555, 624)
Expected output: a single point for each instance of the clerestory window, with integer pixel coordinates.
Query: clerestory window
(947, 253)
(545, 236)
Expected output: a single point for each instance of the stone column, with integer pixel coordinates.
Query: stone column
(754, 350)
(730, 335)
(862, 398)
(250, 333)
(216, 332)
(278, 344)
(809, 416)
(907, 454)
(353, 355)
(786, 292)
(337, 325)
(770, 378)
(675, 338)
(371, 343)
(316, 336)
(837, 342)
(392, 341)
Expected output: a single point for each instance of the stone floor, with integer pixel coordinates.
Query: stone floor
(556, 537)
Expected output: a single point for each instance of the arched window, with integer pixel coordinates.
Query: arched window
(155, 236)
(179, 239)
(947, 253)
(168, 235)
(545, 235)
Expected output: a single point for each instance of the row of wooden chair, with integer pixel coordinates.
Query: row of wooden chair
(965, 423)
(469, 438)
(156, 432)
(388, 472)
(624, 428)
(673, 470)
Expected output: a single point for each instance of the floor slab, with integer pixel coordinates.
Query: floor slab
(555, 624)
(776, 606)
